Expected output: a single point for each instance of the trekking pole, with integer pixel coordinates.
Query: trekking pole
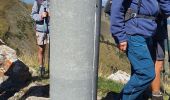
(48, 37)
(49, 57)
(45, 36)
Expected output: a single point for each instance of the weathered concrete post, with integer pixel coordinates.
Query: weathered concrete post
(74, 38)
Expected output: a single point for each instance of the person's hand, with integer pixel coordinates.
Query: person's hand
(44, 14)
(122, 46)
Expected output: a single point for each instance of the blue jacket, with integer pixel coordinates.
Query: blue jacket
(140, 26)
(36, 15)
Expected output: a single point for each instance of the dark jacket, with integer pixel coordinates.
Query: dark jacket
(140, 26)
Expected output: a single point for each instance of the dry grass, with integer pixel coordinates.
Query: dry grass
(29, 7)
(32, 60)
(110, 58)
(29, 60)
(3, 27)
(4, 24)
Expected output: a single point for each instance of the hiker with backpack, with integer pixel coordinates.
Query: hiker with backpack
(40, 14)
(132, 26)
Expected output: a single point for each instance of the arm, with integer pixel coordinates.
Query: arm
(117, 21)
(165, 6)
(35, 14)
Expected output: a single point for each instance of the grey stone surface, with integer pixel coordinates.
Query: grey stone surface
(74, 49)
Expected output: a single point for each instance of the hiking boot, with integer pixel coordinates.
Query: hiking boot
(157, 97)
(42, 71)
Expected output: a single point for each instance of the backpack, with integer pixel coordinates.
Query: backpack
(38, 5)
(107, 8)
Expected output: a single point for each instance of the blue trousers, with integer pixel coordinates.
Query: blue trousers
(142, 67)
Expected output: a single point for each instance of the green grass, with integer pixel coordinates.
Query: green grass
(105, 86)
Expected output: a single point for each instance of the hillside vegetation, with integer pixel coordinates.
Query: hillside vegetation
(16, 27)
(110, 58)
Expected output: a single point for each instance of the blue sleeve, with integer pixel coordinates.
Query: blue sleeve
(165, 6)
(117, 21)
(35, 14)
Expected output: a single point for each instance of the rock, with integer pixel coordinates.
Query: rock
(7, 57)
(120, 76)
(33, 72)
(37, 98)
(18, 72)
(14, 74)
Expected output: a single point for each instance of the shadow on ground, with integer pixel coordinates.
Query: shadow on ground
(37, 91)
(18, 78)
(111, 96)
(37, 78)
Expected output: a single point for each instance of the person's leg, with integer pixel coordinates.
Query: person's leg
(160, 54)
(41, 50)
(41, 41)
(156, 81)
(143, 67)
(156, 94)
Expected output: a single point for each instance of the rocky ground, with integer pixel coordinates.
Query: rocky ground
(19, 83)
(38, 89)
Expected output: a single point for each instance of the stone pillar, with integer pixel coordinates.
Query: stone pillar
(74, 45)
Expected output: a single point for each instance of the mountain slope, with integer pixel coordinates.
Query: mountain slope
(16, 27)
(110, 59)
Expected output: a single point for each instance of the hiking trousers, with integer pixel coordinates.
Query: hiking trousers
(142, 67)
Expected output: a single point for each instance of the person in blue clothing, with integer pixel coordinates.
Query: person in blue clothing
(40, 14)
(132, 27)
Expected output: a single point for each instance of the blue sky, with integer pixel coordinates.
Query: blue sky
(104, 2)
(29, 1)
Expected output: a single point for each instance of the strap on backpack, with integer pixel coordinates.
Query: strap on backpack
(130, 13)
(38, 5)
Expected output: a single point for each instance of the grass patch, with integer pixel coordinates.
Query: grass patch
(110, 58)
(30, 60)
(105, 86)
